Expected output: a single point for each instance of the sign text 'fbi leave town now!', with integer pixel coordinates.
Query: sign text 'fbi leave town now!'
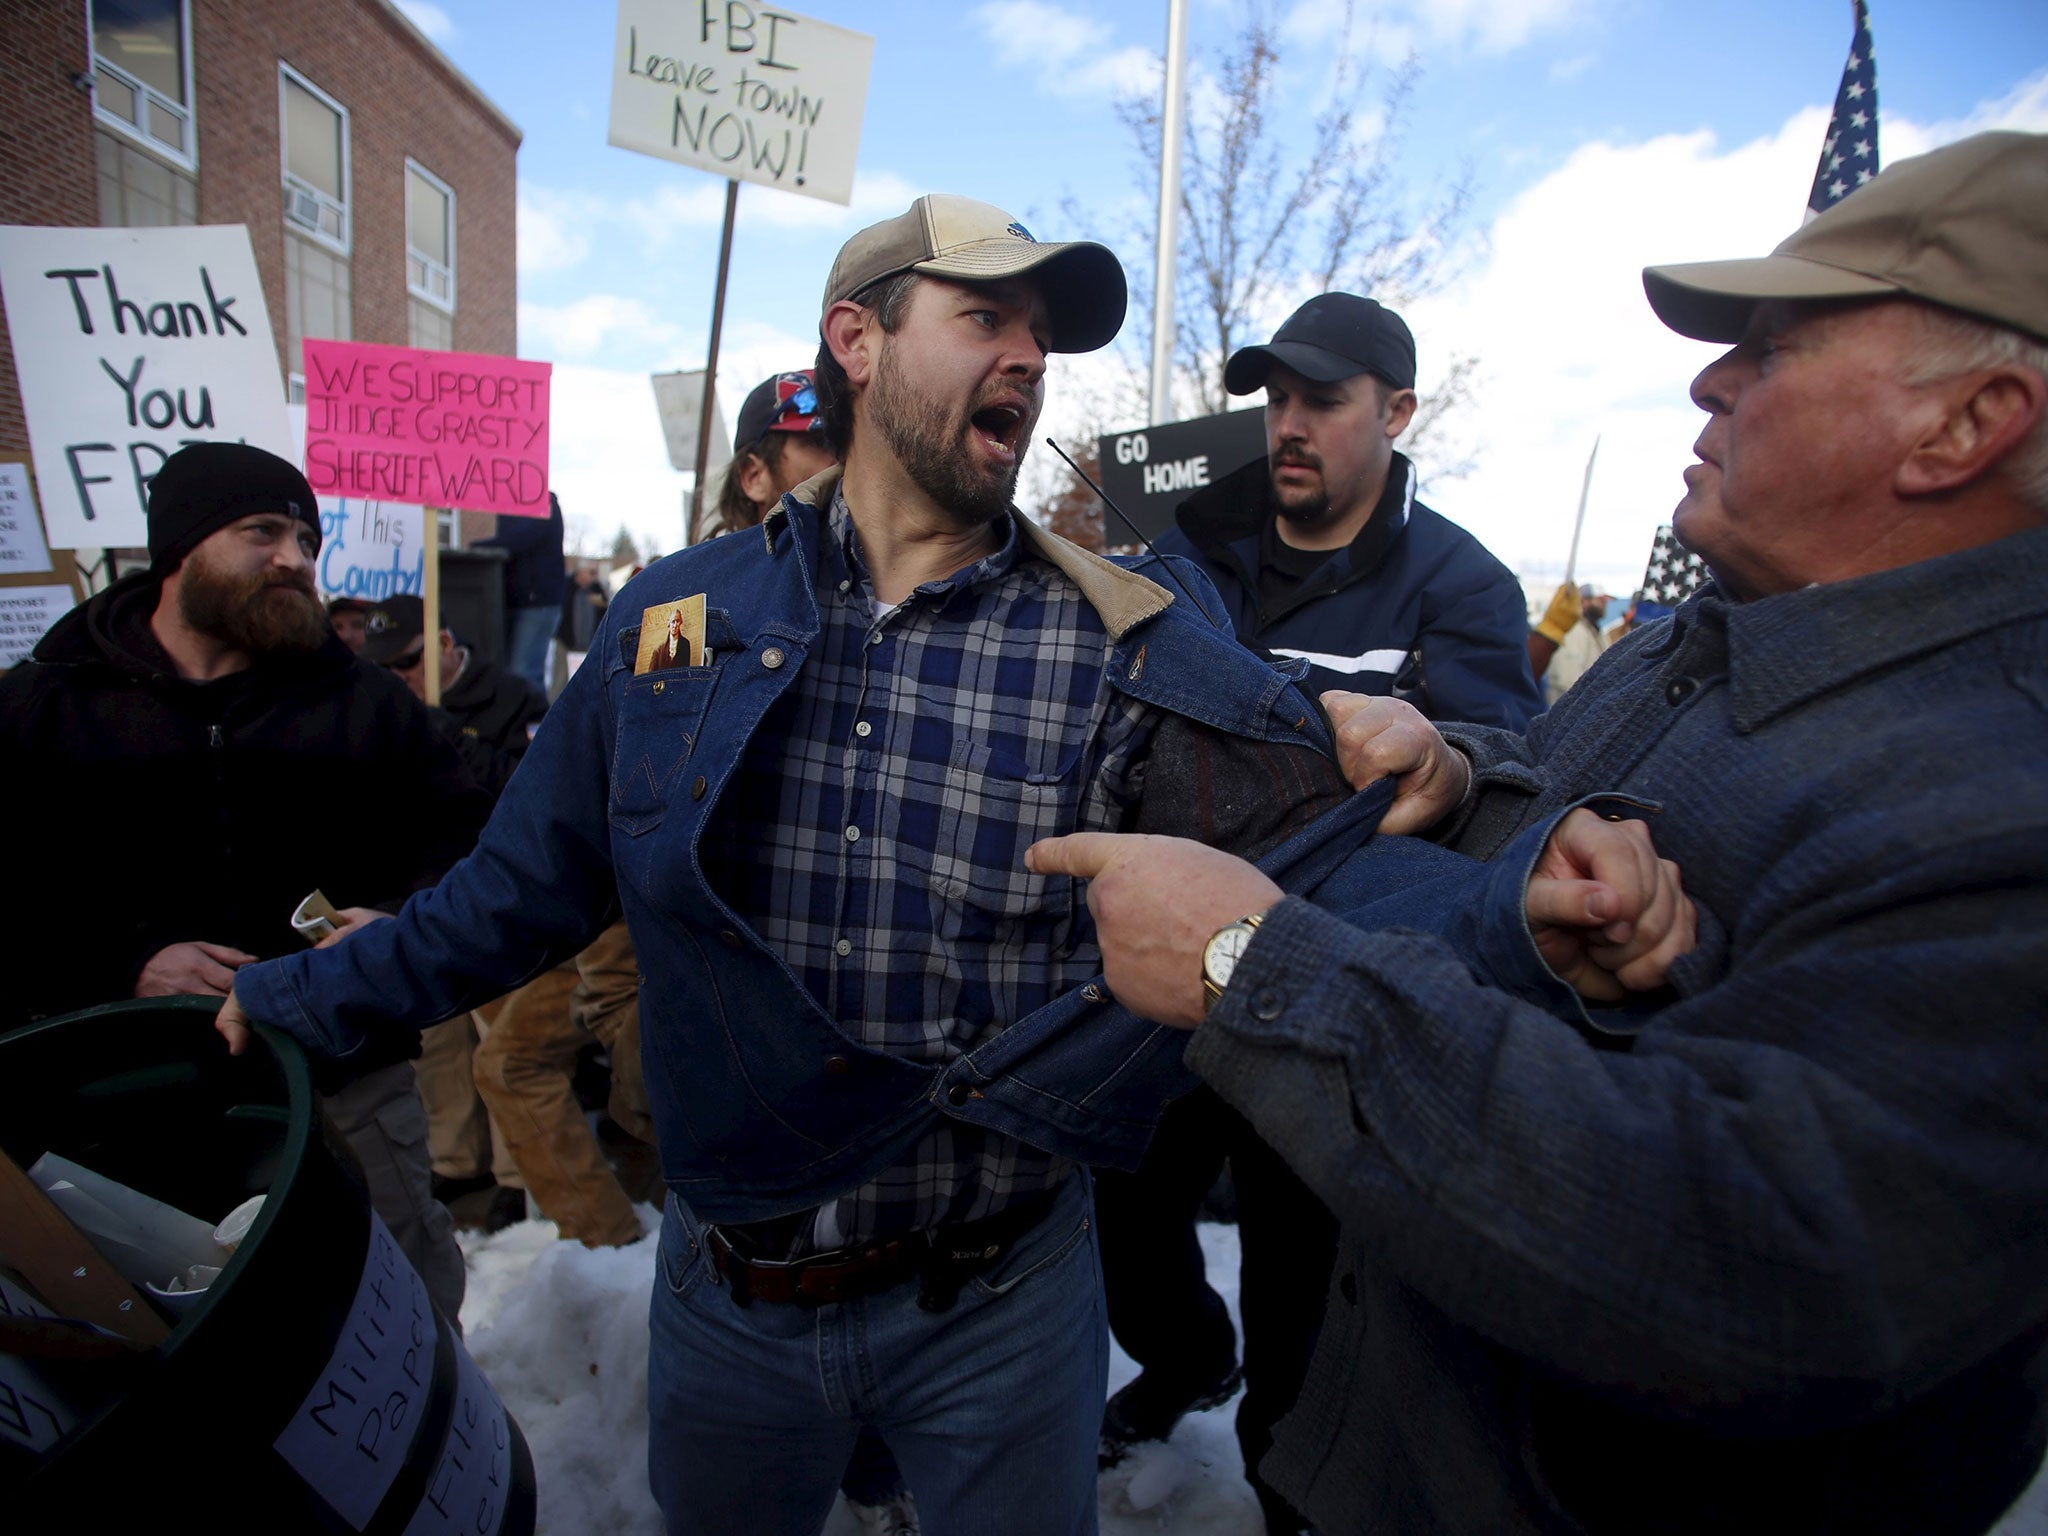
(437, 429)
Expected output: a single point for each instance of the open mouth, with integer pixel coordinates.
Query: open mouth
(1001, 428)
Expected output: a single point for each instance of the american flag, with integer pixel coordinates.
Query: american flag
(1849, 157)
(1674, 572)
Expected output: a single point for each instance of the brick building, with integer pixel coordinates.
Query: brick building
(377, 182)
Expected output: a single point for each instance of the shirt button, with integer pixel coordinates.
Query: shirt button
(837, 1066)
(772, 658)
(697, 788)
(853, 834)
(843, 947)
(1270, 1003)
(959, 1094)
(729, 939)
(846, 586)
(1679, 689)
(862, 728)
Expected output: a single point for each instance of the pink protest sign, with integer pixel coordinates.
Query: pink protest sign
(434, 429)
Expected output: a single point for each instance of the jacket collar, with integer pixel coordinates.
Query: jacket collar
(1121, 598)
(1237, 509)
(1787, 650)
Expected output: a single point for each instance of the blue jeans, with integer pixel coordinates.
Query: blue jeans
(992, 1407)
(527, 633)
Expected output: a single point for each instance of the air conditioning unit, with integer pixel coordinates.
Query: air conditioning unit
(302, 207)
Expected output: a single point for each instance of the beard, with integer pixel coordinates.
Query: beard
(257, 614)
(933, 447)
(1306, 509)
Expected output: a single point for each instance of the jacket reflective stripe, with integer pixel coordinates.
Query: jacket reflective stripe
(1371, 661)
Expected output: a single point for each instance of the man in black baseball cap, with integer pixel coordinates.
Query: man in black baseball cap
(1324, 558)
(1322, 550)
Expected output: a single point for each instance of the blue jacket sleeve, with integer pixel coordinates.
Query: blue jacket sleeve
(536, 890)
(1806, 1189)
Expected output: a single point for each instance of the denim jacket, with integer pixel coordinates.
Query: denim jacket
(763, 1104)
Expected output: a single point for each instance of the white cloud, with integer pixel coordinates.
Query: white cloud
(1070, 52)
(591, 324)
(607, 462)
(554, 229)
(1569, 348)
(700, 204)
(430, 19)
(1394, 29)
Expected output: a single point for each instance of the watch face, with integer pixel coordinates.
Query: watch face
(1221, 957)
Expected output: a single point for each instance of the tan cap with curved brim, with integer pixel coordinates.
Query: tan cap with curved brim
(946, 236)
(1965, 226)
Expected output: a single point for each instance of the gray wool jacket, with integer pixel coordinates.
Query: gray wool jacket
(1770, 1251)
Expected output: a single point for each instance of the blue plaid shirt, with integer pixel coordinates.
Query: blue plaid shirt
(875, 836)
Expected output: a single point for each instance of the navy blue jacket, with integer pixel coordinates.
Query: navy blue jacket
(1415, 607)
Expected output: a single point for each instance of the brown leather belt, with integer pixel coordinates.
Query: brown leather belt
(944, 1257)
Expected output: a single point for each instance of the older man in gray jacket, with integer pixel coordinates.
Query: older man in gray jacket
(1769, 1254)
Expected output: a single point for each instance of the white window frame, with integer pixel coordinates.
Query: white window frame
(299, 190)
(442, 301)
(188, 159)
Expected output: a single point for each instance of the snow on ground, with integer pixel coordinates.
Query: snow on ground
(561, 1330)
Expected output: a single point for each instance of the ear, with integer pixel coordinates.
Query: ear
(1400, 411)
(1989, 413)
(755, 478)
(852, 332)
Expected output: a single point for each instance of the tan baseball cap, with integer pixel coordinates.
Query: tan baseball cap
(1965, 226)
(946, 236)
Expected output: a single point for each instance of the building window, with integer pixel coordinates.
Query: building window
(316, 296)
(142, 73)
(429, 237)
(315, 131)
(139, 191)
(433, 329)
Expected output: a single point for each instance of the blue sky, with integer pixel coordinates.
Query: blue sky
(1600, 135)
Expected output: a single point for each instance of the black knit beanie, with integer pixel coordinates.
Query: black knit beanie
(206, 486)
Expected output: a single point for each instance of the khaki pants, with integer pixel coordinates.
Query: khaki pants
(464, 1139)
(380, 1117)
(523, 1069)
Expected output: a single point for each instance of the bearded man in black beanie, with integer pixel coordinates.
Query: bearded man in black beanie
(191, 753)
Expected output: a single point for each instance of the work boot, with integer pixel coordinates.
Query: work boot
(508, 1208)
(1148, 1407)
(449, 1189)
(894, 1516)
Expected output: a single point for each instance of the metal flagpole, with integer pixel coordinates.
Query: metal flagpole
(1167, 245)
(1571, 563)
(732, 203)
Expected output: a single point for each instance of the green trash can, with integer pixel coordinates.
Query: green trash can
(311, 1386)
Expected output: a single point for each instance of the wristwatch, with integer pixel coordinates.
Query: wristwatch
(1220, 954)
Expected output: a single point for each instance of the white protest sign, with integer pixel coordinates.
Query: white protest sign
(26, 614)
(368, 549)
(351, 1435)
(371, 549)
(129, 344)
(22, 550)
(743, 90)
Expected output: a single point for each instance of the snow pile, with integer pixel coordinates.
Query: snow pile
(561, 1330)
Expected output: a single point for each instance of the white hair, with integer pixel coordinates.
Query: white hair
(1958, 343)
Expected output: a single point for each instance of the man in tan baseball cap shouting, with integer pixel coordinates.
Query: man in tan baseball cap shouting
(872, 1088)
(1767, 1253)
